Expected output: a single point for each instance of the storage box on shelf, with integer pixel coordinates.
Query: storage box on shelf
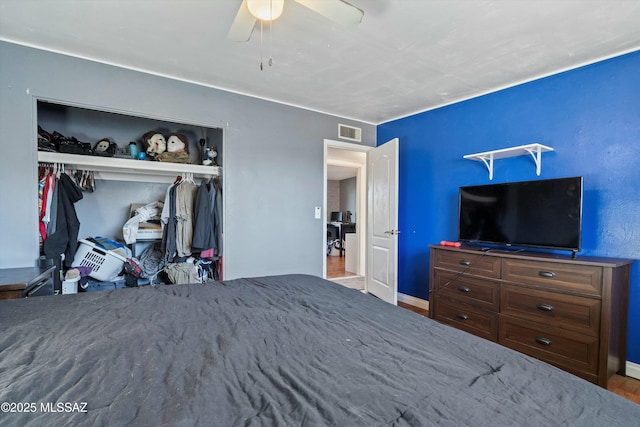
(571, 313)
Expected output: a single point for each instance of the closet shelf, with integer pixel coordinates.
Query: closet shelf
(117, 169)
(487, 157)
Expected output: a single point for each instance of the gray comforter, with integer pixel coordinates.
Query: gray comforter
(273, 351)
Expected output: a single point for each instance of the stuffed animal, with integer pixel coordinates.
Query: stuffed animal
(210, 157)
(177, 142)
(155, 143)
(105, 147)
(177, 150)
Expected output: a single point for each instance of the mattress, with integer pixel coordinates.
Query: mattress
(292, 350)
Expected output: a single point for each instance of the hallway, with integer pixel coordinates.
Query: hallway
(336, 273)
(335, 267)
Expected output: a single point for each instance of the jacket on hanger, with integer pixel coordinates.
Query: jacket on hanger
(64, 239)
(205, 219)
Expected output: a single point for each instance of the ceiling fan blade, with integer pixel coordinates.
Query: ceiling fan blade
(335, 10)
(243, 24)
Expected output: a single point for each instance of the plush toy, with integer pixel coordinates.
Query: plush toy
(155, 143)
(177, 149)
(210, 157)
(177, 142)
(105, 147)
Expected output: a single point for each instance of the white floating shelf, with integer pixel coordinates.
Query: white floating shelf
(535, 150)
(113, 168)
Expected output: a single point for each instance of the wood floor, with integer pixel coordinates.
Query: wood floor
(624, 386)
(335, 267)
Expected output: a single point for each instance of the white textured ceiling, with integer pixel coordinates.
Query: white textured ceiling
(338, 173)
(344, 164)
(406, 55)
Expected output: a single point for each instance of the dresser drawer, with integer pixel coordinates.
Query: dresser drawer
(584, 279)
(469, 289)
(468, 318)
(571, 351)
(470, 263)
(571, 312)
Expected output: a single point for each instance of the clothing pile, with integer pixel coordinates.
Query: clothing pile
(150, 211)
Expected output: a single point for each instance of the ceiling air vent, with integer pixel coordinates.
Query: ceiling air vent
(349, 132)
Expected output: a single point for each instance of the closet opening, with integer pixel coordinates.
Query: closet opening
(109, 155)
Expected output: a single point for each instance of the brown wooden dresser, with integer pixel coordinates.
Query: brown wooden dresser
(571, 313)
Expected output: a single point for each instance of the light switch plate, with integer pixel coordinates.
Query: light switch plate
(318, 212)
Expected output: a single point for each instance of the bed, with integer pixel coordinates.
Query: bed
(291, 350)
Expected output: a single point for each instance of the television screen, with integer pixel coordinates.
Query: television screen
(543, 213)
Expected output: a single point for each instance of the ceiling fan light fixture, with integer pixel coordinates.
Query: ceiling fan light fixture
(265, 10)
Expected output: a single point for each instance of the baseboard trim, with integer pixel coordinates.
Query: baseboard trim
(633, 370)
(417, 302)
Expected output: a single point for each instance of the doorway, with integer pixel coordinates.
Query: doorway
(344, 260)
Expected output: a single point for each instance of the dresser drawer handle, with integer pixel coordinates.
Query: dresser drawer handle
(543, 341)
(462, 288)
(465, 262)
(462, 316)
(546, 274)
(545, 307)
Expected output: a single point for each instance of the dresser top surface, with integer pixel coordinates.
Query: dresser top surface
(20, 278)
(536, 256)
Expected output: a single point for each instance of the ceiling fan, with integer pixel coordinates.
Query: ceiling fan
(268, 10)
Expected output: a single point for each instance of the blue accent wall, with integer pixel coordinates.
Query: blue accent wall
(590, 116)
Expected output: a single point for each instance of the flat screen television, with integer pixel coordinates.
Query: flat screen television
(541, 214)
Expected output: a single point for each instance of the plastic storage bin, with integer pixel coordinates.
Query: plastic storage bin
(70, 286)
(104, 263)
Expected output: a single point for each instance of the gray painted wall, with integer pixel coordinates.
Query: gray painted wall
(333, 198)
(272, 156)
(348, 197)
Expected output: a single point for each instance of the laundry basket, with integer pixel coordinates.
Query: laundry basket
(104, 263)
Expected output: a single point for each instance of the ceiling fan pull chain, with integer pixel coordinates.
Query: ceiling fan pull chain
(260, 45)
(270, 58)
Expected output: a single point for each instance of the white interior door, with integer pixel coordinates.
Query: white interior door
(382, 223)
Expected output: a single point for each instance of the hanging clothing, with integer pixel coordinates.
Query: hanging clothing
(217, 212)
(65, 238)
(192, 222)
(204, 233)
(44, 188)
(177, 217)
(208, 220)
(53, 213)
(168, 218)
(185, 198)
